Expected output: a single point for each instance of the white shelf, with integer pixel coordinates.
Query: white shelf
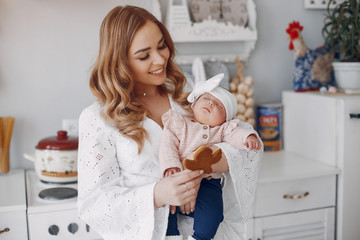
(212, 31)
(210, 39)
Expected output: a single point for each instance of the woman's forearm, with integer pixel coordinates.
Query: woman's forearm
(222, 165)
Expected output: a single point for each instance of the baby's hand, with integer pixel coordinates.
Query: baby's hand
(252, 142)
(171, 171)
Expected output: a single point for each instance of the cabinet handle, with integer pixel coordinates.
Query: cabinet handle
(296, 196)
(5, 230)
(354, 115)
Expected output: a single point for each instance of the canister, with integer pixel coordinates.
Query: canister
(269, 125)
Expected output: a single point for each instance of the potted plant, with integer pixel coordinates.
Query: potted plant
(342, 36)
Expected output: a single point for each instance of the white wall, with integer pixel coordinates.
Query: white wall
(47, 48)
(272, 62)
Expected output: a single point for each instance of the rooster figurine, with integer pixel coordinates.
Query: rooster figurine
(313, 68)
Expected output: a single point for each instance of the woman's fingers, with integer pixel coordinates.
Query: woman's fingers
(187, 175)
(182, 209)
(172, 209)
(178, 189)
(192, 188)
(187, 208)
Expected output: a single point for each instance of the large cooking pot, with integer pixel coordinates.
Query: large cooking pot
(55, 158)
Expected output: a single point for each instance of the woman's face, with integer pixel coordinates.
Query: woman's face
(209, 110)
(148, 56)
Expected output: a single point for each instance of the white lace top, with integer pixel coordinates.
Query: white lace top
(116, 183)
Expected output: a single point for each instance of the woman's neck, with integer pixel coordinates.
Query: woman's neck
(146, 91)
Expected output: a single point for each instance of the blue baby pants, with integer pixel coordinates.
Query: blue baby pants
(208, 212)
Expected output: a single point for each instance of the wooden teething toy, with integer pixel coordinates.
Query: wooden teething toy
(204, 158)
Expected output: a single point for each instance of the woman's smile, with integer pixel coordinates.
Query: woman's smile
(158, 72)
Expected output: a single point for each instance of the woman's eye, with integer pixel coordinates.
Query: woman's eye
(148, 55)
(144, 58)
(162, 47)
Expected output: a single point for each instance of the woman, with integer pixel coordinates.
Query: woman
(121, 192)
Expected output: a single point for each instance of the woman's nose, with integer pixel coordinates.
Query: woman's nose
(158, 59)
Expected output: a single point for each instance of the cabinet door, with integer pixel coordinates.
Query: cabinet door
(306, 225)
(310, 126)
(13, 225)
(349, 162)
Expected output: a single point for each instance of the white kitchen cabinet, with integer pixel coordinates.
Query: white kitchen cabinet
(295, 199)
(327, 128)
(307, 225)
(13, 206)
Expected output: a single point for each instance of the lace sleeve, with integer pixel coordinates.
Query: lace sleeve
(243, 171)
(115, 210)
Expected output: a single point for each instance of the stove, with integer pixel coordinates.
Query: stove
(52, 211)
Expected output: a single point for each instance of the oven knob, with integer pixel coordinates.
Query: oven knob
(73, 227)
(53, 230)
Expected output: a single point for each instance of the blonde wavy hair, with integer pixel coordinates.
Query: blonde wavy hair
(111, 80)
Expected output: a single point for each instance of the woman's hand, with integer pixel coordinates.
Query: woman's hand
(169, 172)
(179, 189)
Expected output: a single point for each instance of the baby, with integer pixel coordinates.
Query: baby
(214, 109)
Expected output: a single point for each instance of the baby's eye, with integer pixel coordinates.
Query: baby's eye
(219, 106)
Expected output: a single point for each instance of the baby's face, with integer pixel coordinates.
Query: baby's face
(209, 110)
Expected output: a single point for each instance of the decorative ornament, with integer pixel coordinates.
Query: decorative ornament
(234, 11)
(241, 88)
(313, 67)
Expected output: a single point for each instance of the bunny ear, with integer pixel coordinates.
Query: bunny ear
(205, 86)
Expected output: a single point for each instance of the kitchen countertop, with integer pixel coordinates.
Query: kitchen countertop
(12, 191)
(275, 166)
(283, 166)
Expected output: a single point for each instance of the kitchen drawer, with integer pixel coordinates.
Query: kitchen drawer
(316, 224)
(295, 195)
(15, 223)
(59, 225)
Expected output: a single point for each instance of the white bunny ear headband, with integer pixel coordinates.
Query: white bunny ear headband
(204, 87)
(212, 86)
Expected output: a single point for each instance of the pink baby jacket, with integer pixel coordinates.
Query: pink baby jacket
(182, 135)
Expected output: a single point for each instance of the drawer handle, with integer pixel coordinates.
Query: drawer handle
(296, 196)
(354, 115)
(5, 230)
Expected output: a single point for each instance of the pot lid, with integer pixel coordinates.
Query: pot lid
(60, 142)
